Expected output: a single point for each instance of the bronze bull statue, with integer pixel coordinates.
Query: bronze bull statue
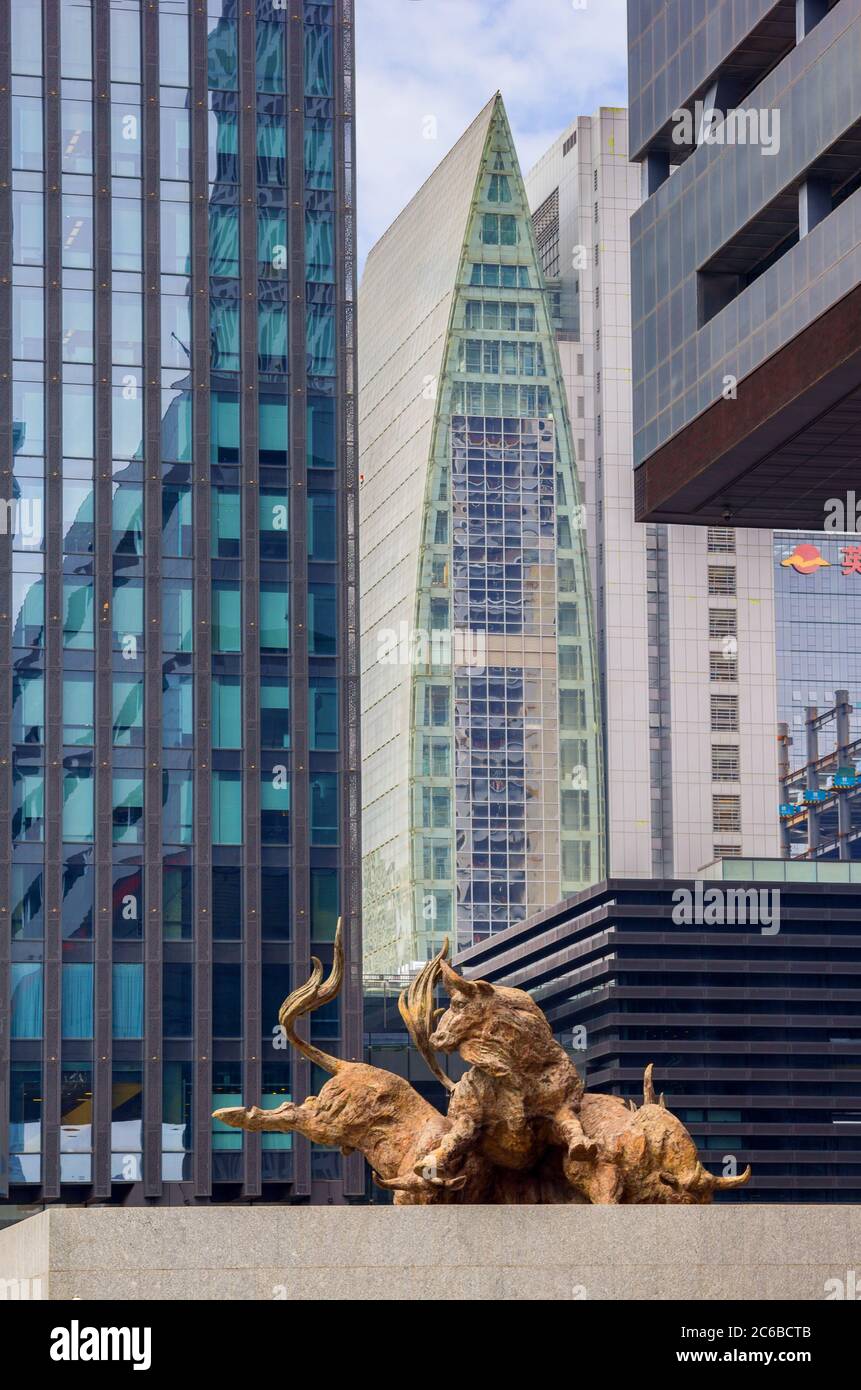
(519, 1128)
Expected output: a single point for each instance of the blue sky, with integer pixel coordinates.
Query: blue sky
(426, 67)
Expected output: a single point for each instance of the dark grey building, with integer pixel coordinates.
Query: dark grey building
(746, 258)
(754, 1032)
(179, 759)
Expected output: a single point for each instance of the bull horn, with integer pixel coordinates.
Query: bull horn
(452, 981)
(411, 1182)
(408, 1183)
(648, 1086)
(724, 1184)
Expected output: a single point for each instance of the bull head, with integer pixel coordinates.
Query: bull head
(661, 1162)
(467, 1012)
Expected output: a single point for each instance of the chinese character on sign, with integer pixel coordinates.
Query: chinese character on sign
(851, 559)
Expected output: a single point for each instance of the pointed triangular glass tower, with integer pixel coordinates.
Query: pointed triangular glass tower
(482, 781)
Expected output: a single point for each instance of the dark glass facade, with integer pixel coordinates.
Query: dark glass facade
(746, 258)
(179, 729)
(754, 1034)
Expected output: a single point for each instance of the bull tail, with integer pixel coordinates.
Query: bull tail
(311, 996)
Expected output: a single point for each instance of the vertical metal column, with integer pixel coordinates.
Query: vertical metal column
(349, 759)
(152, 871)
(53, 883)
(6, 615)
(299, 828)
(103, 607)
(250, 493)
(202, 655)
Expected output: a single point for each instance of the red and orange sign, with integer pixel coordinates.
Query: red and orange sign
(805, 558)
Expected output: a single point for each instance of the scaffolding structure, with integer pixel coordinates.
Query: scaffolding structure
(820, 811)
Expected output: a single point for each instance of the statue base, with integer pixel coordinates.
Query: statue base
(735, 1251)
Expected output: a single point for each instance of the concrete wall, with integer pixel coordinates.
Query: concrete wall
(739, 1252)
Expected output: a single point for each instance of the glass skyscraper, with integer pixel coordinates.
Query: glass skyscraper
(178, 587)
(482, 798)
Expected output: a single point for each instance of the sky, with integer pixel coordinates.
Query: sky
(425, 68)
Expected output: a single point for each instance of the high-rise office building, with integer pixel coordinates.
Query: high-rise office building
(746, 259)
(750, 1017)
(683, 616)
(481, 755)
(178, 758)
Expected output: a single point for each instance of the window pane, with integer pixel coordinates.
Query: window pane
(78, 613)
(174, 145)
(320, 339)
(324, 904)
(223, 240)
(323, 713)
(128, 809)
(26, 1000)
(275, 903)
(322, 531)
(275, 808)
(28, 707)
(79, 886)
(27, 902)
(173, 48)
(226, 902)
(75, 39)
(322, 619)
(226, 523)
(176, 521)
(78, 805)
(28, 805)
(77, 137)
(226, 1001)
(77, 1011)
(28, 239)
(270, 56)
(221, 45)
(177, 807)
(125, 43)
(177, 616)
(77, 709)
(127, 1000)
(274, 535)
(226, 808)
(176, 999)
(26, 37)
(226, 617)
(324, 808)
(226, 712)
(318, 60)
(177, 900)
(128, 711)
(177, 711)
(274, 713)
(319, 247)
(319, 155)
(274, 617)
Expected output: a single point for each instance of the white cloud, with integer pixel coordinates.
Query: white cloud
(428, 66)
